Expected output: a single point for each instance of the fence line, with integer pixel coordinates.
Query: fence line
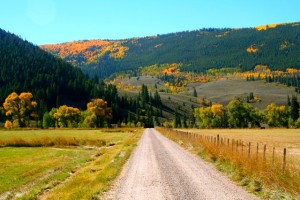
(236, 146)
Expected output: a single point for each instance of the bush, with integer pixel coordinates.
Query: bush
(8, 124)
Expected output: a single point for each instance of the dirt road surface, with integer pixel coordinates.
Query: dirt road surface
(160, 169)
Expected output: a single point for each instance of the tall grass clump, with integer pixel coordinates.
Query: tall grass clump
(50, 142)
(260, 171)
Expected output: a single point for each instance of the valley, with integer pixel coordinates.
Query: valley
(72, 114)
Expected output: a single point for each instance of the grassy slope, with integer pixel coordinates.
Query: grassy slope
(30, 172)
(221, 91)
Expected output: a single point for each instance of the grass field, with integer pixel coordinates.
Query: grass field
(278, 138)
(261, 175)
(63, 171)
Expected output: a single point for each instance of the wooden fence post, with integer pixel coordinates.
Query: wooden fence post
(218, 139)
(273, 158)
(264, 154)
(257, 151)
(242, 146)
(249, 149)
(283, 160)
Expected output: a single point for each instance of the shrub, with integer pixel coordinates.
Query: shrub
(8, 124)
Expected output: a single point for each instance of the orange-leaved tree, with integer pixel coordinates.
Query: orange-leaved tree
(8, 124)
(67, 116)
(19, 108)
(98, 113)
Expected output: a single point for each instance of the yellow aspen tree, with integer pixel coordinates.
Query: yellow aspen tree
(19, 108)
(98, 113)
(67, 116)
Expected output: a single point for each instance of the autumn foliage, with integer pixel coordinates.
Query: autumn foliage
(98, 113)
(252, 49)
(210, 117)
(8, 124)
(265, 27)
(87, 51)
(67, 116)
(19, 108)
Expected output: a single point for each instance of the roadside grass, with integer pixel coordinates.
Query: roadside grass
(283, 138)
(32, 172)
(277, 138)
(92, 180)
(256, 174)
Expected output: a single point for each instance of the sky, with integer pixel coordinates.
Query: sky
(58, 21)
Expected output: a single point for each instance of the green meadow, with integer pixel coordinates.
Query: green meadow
(32, 167)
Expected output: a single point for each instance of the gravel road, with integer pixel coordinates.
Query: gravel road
(160, 169)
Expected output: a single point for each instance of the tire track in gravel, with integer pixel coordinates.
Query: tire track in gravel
(160, 169)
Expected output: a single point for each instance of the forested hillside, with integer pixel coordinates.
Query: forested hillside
(54, 85)
(25, 67)
(276, 46)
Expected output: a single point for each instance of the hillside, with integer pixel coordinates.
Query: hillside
(219, 91)
(26, 67)
(276, 46)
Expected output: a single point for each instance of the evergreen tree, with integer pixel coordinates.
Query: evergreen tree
(157, 100)
(145, 94)
(177, 121)
(195, 93)
(288, 100)
(184, 122)
(294, 109)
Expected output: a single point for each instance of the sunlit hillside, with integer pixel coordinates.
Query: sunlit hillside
(276, 46)
(87, 51)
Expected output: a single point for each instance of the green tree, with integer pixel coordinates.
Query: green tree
(48, 120)
(195, 93)
(157, 100)
(210, 117)
(145, 94)
(184, 121)
(294, 109)
(276, 116)
(176, 121)
(240, 114)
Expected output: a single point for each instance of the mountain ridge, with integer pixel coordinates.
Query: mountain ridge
(275, 45)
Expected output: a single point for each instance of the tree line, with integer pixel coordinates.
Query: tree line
(20, 110)
(239, 114)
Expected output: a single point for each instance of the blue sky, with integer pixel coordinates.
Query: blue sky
(57, 21)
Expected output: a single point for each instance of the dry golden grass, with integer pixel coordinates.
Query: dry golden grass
(48, 142)
(253, 170)
(278, 138)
